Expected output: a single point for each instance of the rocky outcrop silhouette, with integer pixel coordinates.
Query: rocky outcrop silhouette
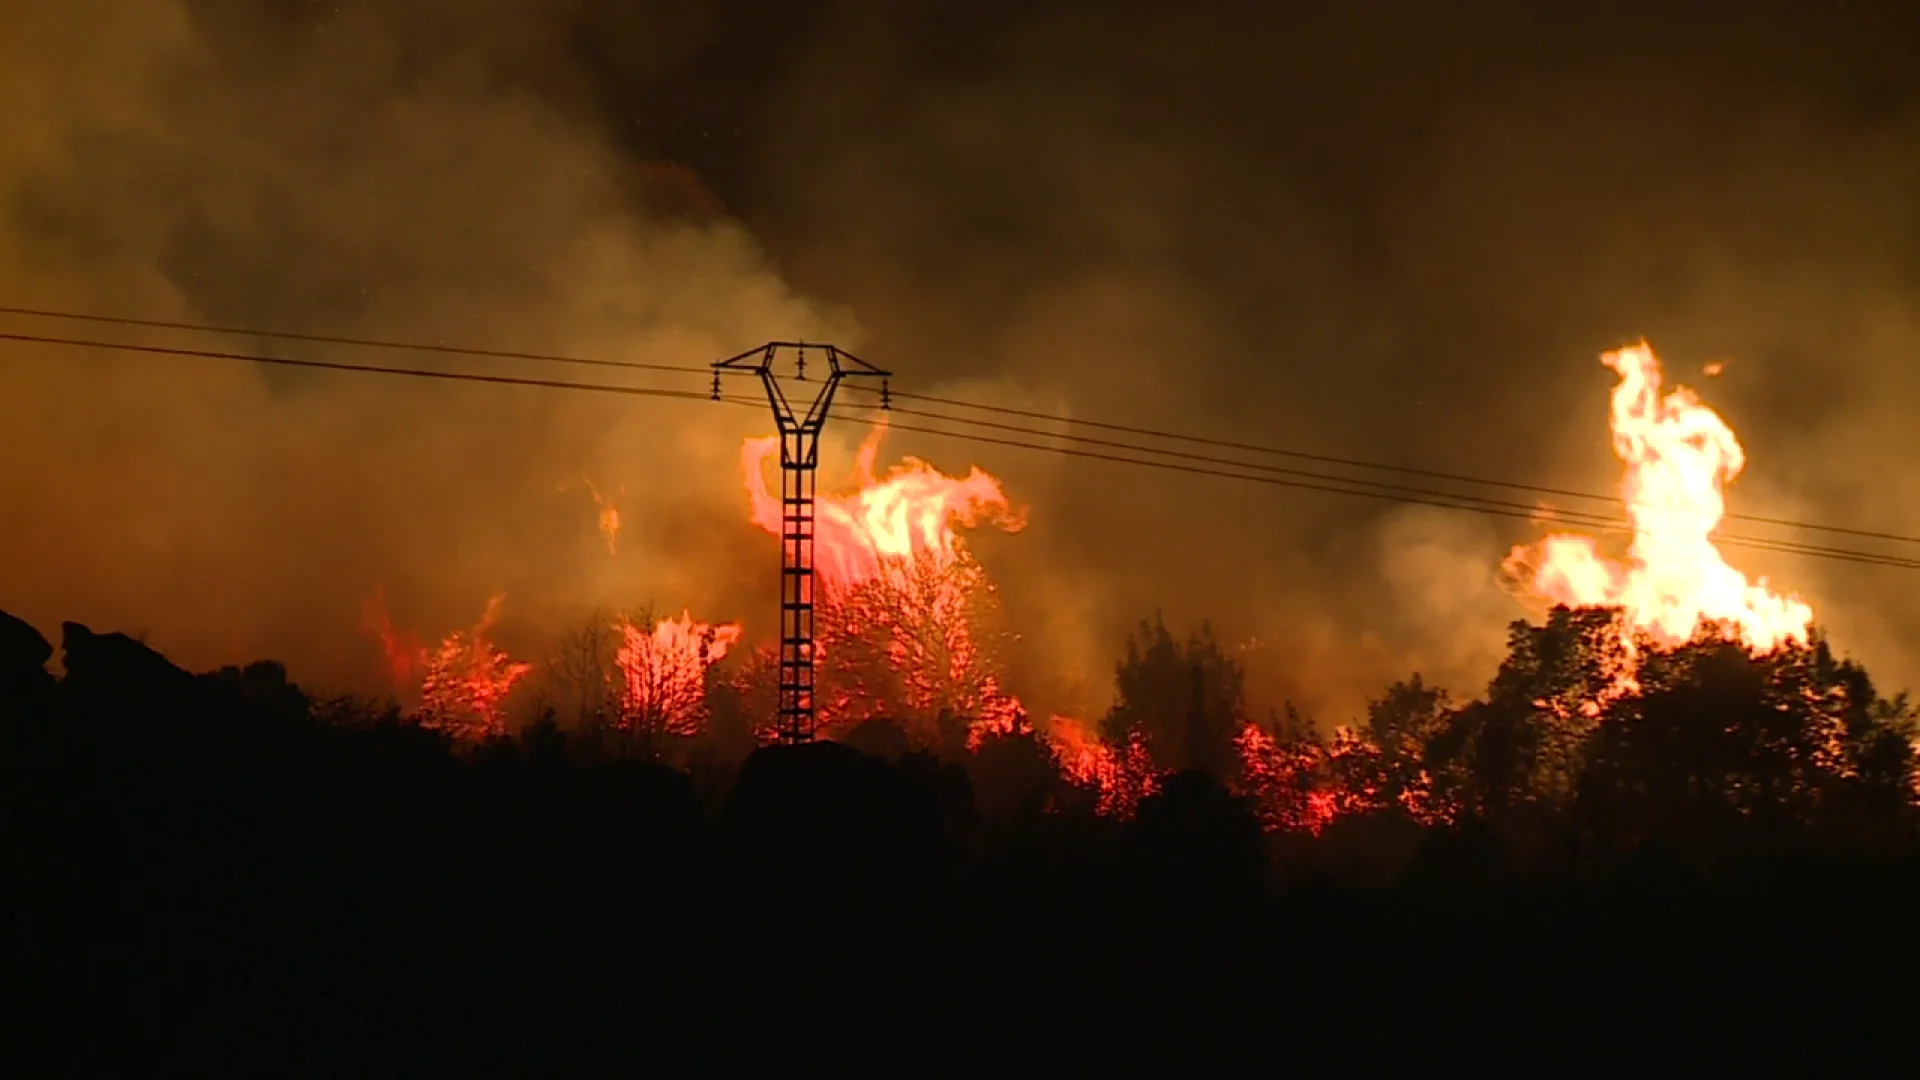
(24, 677)
(115, 668)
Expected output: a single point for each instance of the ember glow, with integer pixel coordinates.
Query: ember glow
(609, 515)
(905, 610)
(1281, 781)
(1679, 455)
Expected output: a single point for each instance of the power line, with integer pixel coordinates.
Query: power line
(1506, 507)
(1529, 509)
(365, 343)
(1353, 463)
(282, 361)
(1329, 484)
(1415, 496)
(1442, 500)
(1151, 433)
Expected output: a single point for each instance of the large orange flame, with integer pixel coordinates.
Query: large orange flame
(902, 601)
(663, 673)
(1679, 455)
(886, 520)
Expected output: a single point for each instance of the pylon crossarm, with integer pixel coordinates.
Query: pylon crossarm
(761, 355)
(864, 367)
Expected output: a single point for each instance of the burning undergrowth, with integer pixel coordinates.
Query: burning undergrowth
(911, 638)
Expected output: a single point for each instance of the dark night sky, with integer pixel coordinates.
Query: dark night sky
(1395, 231)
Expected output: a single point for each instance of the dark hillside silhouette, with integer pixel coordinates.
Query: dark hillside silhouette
(217, 873)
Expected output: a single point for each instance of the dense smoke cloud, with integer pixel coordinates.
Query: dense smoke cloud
(382, 173)
(1402, 238)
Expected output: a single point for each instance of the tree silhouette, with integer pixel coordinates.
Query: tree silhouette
(1400, 723)
(1722, 751)
(583, 677)
(1013, 773)
(525, 900)
(1185, 701)
(1523, 745)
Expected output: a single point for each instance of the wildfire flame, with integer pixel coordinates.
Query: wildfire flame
(1121, 777)
(467, 679)
(903, 604)
(609, 517)
(663, 673)
(1679, 455)
(887, 520)
(463, 682)
(404, 655)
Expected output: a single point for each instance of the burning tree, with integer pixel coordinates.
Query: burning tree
(917, 640)
(1117, 778)
(638, 681)
(466, 680)
(1283, 771)
(663, 678)
(908, 621)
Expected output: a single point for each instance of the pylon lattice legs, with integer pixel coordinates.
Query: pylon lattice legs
(795, 720)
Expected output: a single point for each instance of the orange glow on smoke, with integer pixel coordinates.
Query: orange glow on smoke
(902, 602)
(663, 673)
(1679, 455)
(403, 653)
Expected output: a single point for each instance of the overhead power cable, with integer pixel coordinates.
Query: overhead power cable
(283, 361)
(1420, 497)
(1300, 455)
(1529, 510)
(358, 342)
(1143, 432)
(1352, 463)
(1298, 479)
(1441, 499)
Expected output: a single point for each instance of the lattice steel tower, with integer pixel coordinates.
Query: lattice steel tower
(799, 458)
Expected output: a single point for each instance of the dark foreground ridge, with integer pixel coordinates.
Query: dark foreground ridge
(207, 874)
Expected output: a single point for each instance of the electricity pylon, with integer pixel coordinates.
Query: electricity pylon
(799, 458)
